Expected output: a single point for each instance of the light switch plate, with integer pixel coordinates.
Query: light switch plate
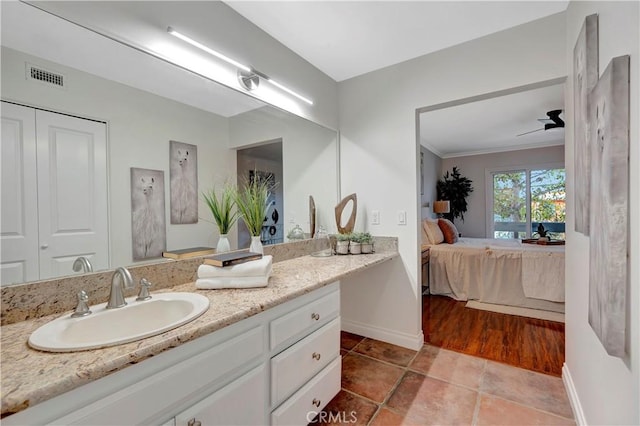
(402, 217)
(375, 217)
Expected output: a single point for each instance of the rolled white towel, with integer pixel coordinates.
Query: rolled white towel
(232, 282)
(254, 268)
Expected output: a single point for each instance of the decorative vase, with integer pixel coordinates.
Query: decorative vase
(342, 247)
(256, 245)
(223, 244)
(366, 248)
(355, 248)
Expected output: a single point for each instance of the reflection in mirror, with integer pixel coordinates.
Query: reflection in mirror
(141, 103)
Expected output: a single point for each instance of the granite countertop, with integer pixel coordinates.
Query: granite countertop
(30, 376)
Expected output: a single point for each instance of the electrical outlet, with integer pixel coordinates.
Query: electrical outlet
(375, 217)
(402, 217)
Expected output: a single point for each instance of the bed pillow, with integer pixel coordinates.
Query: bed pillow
(449, 231)
(431, 228)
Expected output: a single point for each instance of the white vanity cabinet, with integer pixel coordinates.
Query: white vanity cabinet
(239, 403)
(280, 366)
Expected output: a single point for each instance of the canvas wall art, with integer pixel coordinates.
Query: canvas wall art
(183, 177)
(609, 140)
(585, 71)
(148, 230)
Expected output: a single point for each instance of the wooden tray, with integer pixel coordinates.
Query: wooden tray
(543, 243)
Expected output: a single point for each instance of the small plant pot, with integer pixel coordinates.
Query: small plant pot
(355, 248)
(342, 247)
(366, 248)
(543, 239)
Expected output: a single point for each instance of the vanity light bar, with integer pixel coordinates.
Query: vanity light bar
(280, 86)
(237, 64)
(208, 50)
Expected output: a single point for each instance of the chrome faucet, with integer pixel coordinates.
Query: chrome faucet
(120, 281)
(82, 263)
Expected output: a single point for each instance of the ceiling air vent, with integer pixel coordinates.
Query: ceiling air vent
(48, 77)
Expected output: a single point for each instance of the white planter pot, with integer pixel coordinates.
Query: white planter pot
(355, 248)
(342, 247)
(223, 244)
(256, 245)
(366, 248)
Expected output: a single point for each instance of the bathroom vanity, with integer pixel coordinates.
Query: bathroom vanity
(257, 356)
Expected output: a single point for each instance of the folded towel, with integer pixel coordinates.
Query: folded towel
(232, 282)
(254, 268)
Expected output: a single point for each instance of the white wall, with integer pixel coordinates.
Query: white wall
(474, 167)
(309, 154)
(607, 388)
(431, 173)
(379, 154)
(140, 126)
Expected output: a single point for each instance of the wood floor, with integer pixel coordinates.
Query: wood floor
(533, 344)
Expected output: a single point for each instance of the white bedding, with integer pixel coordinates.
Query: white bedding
(499, 271)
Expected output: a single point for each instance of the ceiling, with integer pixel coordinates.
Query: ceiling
(342, 38)
(345, 39)
(493, 125)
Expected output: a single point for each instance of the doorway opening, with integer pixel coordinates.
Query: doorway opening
(265, 161)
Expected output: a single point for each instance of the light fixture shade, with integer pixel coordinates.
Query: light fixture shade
(441, 207)
(248, 80)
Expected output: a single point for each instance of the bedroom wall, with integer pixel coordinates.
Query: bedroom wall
(380, 155)
(475, 166)
(431, 167)
(605, 389)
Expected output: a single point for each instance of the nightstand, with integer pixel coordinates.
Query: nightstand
(425, 269)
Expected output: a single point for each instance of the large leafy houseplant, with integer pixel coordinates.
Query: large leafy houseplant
(454, 188)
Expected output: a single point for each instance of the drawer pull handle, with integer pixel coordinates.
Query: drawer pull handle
(315, 316)
(194, 422)
(316, 356)
(316, 402)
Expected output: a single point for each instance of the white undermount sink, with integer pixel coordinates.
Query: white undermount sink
(109, 327)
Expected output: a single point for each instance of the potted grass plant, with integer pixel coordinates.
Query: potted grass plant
(223, 212)
(252, 202)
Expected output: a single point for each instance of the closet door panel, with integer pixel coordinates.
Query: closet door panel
(72, 192)
(19, 229)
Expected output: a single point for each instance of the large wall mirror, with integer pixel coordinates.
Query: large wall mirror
(115, 119)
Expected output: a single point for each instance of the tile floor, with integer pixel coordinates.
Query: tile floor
(384, 384)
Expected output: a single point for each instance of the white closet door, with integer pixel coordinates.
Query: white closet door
(72, 193)
(19, 229)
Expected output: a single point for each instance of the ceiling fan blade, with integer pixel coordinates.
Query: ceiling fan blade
(526, 133)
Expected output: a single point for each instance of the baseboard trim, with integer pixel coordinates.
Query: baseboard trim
(410, 341)
(570, 387)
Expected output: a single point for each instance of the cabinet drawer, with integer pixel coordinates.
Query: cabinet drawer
(241, 402)
(303, 406)
(304, 320)
(293, 367)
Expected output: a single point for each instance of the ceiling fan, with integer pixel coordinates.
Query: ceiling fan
(553, 122)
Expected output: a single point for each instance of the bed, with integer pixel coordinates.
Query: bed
(496, 271)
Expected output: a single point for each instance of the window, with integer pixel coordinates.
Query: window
(523, 198)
